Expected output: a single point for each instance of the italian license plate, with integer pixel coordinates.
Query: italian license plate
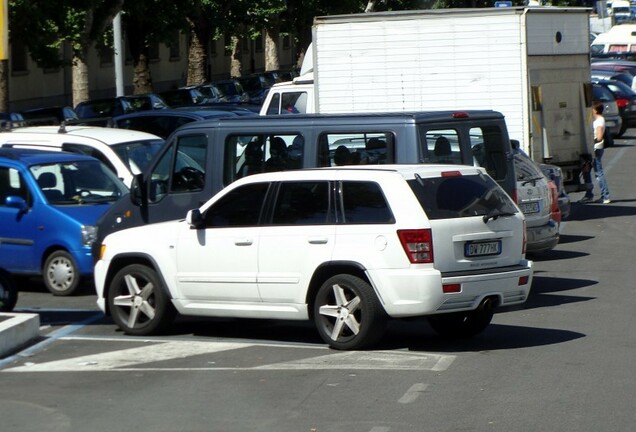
(530, 207)
(482, 248)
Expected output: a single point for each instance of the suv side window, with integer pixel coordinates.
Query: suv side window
(251, 153)
(364, 203)
(356, 148)
(302, 203)
(487, 147)
(442, 146)
(240, 208)
(12, 184)
(182, 167)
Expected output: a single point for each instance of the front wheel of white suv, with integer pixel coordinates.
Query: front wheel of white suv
(348, 314)
(138, 302)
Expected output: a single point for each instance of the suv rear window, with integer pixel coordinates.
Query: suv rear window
(460, 196)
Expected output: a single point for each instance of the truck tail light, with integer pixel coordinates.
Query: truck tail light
(418, 245)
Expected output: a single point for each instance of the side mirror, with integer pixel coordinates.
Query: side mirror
(194, 219)
(137, 191)
(16, 202)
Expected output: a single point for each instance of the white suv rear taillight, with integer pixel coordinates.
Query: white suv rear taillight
(418, 245)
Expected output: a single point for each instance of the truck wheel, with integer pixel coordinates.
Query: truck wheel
(138, 302)
(61, 275)
(348, 314)
(8, 293)
(461, 324)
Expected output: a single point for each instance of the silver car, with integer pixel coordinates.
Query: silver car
(535, 201)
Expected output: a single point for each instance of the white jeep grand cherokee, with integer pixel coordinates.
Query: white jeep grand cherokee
(346, 247)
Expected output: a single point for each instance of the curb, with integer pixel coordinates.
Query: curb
(16, 329)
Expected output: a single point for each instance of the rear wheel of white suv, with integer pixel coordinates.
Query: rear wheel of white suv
(348, 314)
(138, 302)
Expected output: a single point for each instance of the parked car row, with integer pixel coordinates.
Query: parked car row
(433, 219)
(247, 92)
(613, 84)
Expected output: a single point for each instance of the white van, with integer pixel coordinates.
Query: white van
(619, 39)
(125, 152)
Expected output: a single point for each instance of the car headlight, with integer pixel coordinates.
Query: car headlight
(89, 235)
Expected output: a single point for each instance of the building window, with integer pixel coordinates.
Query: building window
(19, 57)
(105, 55)
(286, 41)
(153, 52)
(258, 43)
(174, 47)
(228, 45)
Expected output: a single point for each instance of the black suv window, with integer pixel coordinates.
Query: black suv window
(239, 208)
(256, 153)
(364, 203)
(355, 148)
(302, 203)
(487, 147)
(461, 196)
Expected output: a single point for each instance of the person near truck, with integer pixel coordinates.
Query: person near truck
(599, 131)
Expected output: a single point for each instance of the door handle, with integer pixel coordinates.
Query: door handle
(318, 240)
(243, 242)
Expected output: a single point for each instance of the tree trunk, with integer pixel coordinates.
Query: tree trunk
(272, 38)
(198, 51)
(136, 39)
(142, 77)
(80, 80)
(236, 67)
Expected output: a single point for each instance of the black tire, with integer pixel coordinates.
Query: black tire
(461, 324)
(8, 292)
(61, 274)
(619, 134)
(138, 301)
(348, 314)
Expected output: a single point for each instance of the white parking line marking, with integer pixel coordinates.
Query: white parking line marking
(380, 429)
(412, 394)
(134, 358)
(369, 360)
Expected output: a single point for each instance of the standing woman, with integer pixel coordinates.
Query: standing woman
(599, 132)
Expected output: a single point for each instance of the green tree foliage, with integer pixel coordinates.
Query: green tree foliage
(45, 25)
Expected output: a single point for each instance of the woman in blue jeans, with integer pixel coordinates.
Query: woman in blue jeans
(599, 132)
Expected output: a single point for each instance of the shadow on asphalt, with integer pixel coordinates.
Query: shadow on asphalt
(36, 285)
(495, 337)
(617, 208)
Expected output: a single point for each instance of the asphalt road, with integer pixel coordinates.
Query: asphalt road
(562, 362)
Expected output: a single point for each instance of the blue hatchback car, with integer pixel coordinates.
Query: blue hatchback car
(49, 205)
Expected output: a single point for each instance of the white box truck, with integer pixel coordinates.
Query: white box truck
(530, 63)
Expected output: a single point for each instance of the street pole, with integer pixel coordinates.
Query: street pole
(119, 62)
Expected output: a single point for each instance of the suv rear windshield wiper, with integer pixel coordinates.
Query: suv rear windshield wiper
(494, 214)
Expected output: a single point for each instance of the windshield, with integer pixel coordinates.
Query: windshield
(78, 182)
(138, 154)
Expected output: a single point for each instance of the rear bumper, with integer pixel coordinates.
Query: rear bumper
(410, 293)
(542, 238)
